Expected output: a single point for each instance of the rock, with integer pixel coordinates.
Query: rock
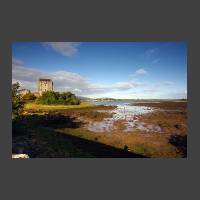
(126, 148)
(20, 156)
(178, 126)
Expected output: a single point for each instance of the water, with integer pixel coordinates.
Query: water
(124, 111)
(124, 102)
(112, 103)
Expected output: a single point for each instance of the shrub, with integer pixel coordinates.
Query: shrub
(17, 100)
(65, 98)
(48, 98)
(29, 97)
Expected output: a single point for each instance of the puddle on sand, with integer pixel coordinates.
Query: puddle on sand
(126, 113)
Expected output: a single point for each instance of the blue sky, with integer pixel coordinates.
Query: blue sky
(104, 69)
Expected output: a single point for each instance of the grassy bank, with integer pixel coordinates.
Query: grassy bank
(149, 145)
(40, 107)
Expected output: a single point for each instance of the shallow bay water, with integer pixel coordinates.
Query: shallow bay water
(125, 113)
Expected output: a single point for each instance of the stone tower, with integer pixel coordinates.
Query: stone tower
(45, 85)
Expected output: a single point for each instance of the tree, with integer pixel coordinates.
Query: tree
(29, 97)
(50, 97)
(17, 100)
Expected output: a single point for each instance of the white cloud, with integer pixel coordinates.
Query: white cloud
(152, 55)
(66, 81)
(155, 61)
(126, 85)
(164, 83)
(151, 91)
(77, 90)
(168, 83)
(67, 49)
(26, 74)
(140, 71)
(74, 82)
(176, 95)
(17, 61)
(151, 52)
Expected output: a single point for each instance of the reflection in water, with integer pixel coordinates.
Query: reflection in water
(127, 114)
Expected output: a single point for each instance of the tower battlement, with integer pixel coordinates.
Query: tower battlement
(45, 85)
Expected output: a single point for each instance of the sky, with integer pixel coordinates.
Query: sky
(130, 70)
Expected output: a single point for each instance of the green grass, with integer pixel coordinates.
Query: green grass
(46, 142)
(55, 146)
(139, 148)
(142, 147)
(81, 133)
(34, 106)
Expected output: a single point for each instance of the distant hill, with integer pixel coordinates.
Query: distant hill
(84, 98)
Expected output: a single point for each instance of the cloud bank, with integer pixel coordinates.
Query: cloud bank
(81, 86)
(66, 81)
(67, 49)
(141, 71)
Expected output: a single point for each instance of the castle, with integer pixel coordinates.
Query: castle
(45, 85)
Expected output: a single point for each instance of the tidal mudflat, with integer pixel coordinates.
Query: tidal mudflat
(133, 129)
(125, 115)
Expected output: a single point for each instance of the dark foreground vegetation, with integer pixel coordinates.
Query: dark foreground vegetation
(17, 101)
(180, 141)
(38, 137)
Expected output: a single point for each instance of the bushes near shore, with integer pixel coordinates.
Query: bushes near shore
(55, 98)
(29, 97)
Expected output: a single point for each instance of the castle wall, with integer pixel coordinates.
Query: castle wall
(45, 85)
